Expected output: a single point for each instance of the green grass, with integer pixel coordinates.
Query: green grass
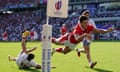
(107, 54)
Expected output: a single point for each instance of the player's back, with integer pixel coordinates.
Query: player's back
(79, 30)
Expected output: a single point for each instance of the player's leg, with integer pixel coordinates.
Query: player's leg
(86, 44)
(60, 40)
(10, 58)
(68, 47)
(86, 49)
(61, 50)
(56, 41)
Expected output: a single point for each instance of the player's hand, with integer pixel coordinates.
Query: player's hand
(85, 34)
(35, 48)
(110, 29)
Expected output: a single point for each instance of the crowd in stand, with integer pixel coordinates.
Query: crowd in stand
(105, 12)
(15, 23)
(4, 3)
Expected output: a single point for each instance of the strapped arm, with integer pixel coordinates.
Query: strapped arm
(23, 46)
(80, 38)
(24, 49)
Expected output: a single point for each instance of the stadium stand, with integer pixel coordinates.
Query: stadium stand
(15, 23)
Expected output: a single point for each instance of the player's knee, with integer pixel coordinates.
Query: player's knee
(87, 55)
(53, 40)
(65, 53)
(86, 42)
(66, 50)
(85, 51)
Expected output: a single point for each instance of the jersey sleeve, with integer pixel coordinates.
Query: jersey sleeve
(91, 28)
(77, 30)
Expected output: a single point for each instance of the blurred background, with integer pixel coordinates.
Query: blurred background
(18, 15)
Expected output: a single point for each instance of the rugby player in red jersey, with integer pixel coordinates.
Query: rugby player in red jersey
(80, 31)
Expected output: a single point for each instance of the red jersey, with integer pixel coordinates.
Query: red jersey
(78, 30)
(5, 34)
(73, 37)
(31, 33)
(63, 30)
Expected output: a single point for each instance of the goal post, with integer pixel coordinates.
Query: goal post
(46, 48)
(55, 8)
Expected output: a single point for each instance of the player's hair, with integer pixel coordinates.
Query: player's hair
(82, 18)
(27, 29)
(83, 11)
(30, 57)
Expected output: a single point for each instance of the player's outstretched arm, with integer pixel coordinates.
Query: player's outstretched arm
(103, 31)
(80, 38)
(23, 46)
(30, 50)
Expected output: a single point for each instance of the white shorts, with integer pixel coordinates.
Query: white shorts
(5, 38)
(70, 45)
(65, 40)
(22, 61)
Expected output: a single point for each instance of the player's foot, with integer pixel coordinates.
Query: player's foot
(78, 53)
(53, 51)
(9, 57)
(53, 67)
(93, 64)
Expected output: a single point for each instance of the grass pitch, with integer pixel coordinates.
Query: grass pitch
(107, 54)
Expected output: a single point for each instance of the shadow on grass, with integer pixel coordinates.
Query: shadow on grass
(32, 70)
(100, 70)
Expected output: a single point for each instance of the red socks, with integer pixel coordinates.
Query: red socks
(59, 49)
